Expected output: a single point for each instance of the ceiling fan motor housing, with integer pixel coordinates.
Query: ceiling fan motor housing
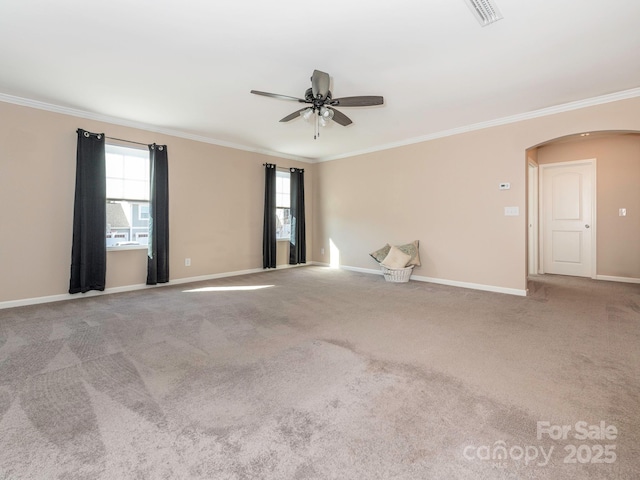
(319, 101)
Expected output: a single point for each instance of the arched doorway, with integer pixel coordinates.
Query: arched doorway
(616, 205)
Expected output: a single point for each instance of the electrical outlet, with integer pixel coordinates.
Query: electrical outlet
(622, 212)
(322, 251)
(187, 262)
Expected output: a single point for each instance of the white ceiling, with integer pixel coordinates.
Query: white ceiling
(187, 67)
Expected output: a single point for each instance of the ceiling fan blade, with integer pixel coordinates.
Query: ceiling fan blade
(340, 118)
(320, 84)
(293, 115)
(277, 95)
(362, 101)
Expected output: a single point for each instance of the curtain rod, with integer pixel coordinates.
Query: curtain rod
(280, 168)
(128, 141)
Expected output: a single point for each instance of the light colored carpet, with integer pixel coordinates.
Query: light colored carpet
(322, 374)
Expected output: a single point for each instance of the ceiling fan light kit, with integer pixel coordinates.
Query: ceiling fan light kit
(485, 11)
(306, 113)
(326, 113)
(322, 103)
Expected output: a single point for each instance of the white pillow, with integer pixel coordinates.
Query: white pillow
(396, 258)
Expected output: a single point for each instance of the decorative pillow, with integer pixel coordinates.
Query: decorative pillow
(380, 254)
(396, 258)
(411, 249)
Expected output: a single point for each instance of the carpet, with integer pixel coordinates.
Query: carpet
(315, 373)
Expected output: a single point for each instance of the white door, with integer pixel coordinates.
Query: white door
(568, 198)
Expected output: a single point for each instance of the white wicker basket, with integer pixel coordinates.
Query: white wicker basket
(398, 275)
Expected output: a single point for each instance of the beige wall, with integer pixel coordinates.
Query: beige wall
(216, 197)
(445, 193)
(617, 186)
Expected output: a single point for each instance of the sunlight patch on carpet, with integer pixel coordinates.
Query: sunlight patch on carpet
(239, 288)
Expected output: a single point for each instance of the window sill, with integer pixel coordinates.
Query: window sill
(282, 239)
(127, 247)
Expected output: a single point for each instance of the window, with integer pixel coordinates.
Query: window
(127, 196)
(143, 212)
(283, 204)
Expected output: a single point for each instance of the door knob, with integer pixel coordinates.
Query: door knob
(586, 226)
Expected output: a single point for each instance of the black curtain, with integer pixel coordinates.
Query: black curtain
(269, 228)
(158, 256)
(298, 242)
(89, 251)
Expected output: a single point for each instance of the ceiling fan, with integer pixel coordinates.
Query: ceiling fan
(321, 103)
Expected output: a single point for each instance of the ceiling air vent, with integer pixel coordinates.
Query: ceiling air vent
(485, 11)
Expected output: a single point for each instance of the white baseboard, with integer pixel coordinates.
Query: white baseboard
(130, 288)
(441, 281)
(23, 302)
(372, 271)
(610, 278)
(472, 286)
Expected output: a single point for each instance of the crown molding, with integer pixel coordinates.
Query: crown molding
(26, 102)
(543, 112)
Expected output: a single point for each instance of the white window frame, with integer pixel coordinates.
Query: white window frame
(283, 205)
(140, 198)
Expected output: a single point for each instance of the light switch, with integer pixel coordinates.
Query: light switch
(622, 212)
(505, 186)
(511, 211)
